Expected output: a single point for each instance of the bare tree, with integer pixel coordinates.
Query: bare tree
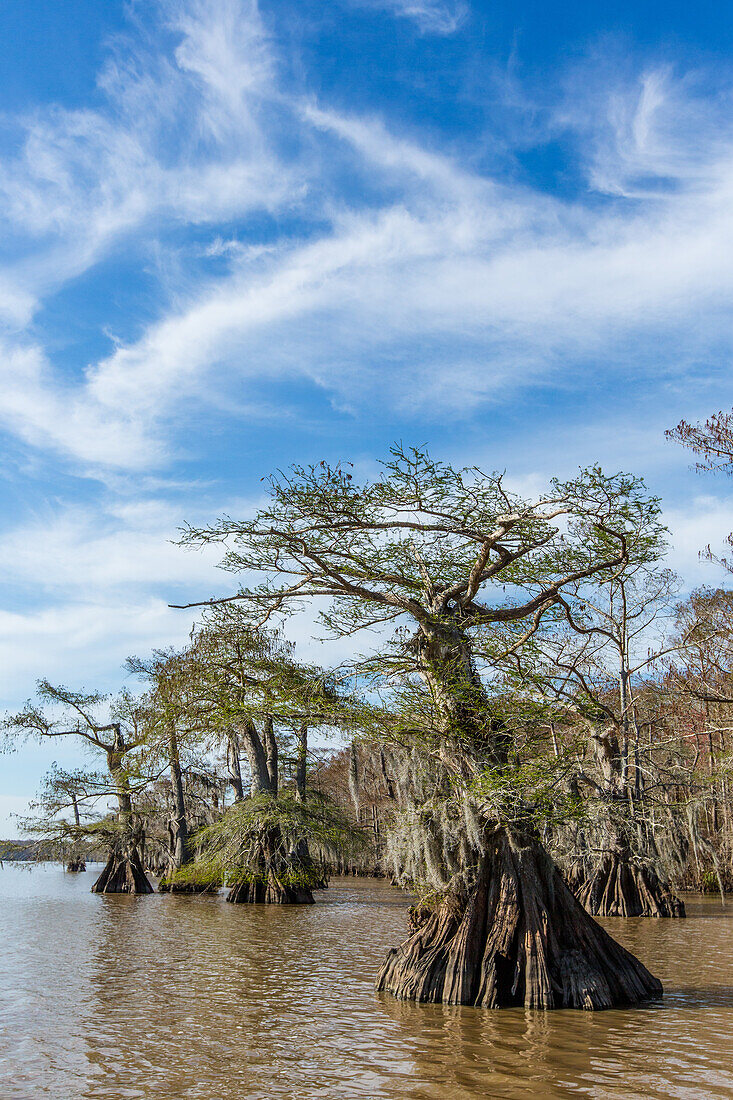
(616, 632)
(713, 442)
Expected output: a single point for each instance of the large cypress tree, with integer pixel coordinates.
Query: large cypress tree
(470, 572)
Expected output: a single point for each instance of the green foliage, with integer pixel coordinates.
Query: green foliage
(486, 594)
(709, 882)
(57, 838)
(529, 791)
(410, 540)
(197, 877)
(264, 830)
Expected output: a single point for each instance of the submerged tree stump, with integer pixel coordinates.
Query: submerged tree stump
(519, 937)
(76, 865)
(621, 886)
(123, 874)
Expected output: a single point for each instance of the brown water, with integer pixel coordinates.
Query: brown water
(172, 998)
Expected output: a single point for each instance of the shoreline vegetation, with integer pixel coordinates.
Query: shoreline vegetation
(530, 726)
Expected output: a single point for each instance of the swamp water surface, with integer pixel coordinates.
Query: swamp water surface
(175, 997)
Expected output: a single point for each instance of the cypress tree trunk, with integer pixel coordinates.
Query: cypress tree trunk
(180, 853)
(274, 881)
(76, 862)
(623, 882)
(516, 937)
(622, 885)
(257, 757)
(271, 757)
(513, 934)
(180, 824)
(302, 760)
(301, 855)
(234, 766)
(123, 872)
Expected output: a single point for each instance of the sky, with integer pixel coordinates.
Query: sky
(239, 235)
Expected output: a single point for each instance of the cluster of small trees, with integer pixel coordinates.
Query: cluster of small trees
(536, 735)
(208, 766)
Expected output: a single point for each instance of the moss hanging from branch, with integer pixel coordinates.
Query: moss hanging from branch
(257, 848)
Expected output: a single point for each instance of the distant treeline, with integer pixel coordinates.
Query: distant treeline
(22, 850)
(18, 849)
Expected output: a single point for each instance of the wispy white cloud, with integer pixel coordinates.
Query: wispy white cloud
(465, 286)
(650, 132)
(127, 545)
(86, 585)
(430, 16)
(37, 407)
(399, 157)
(16, 304)
(225, 46)
(83, 643)
(514, 283)
(179, 141)
(704, 521)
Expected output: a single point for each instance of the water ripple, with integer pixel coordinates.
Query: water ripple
(179, 998)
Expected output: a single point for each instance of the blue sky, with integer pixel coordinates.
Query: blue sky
(234, 236)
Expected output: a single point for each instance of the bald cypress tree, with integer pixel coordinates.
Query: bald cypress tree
(465, 571)
(115, 735)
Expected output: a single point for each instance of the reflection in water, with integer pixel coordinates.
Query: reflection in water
(175, 997)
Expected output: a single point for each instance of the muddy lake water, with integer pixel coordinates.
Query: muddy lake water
(177, 997)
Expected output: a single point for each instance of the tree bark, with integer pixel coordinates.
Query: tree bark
(180, 824)
(622, 886)
(269, 890)
(76, 862)
(275, 881)
(621, 881)
(180, 847)
(272, 756)
(518, 937)
(302, 856)
(515, 935)
(123, 873)
(260, 776)
(234, 766)
(445, 662)
(301, 762)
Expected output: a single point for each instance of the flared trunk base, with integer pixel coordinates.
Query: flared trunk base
(623, 887)
(519, 938)
(269, 890)
(122, 875)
